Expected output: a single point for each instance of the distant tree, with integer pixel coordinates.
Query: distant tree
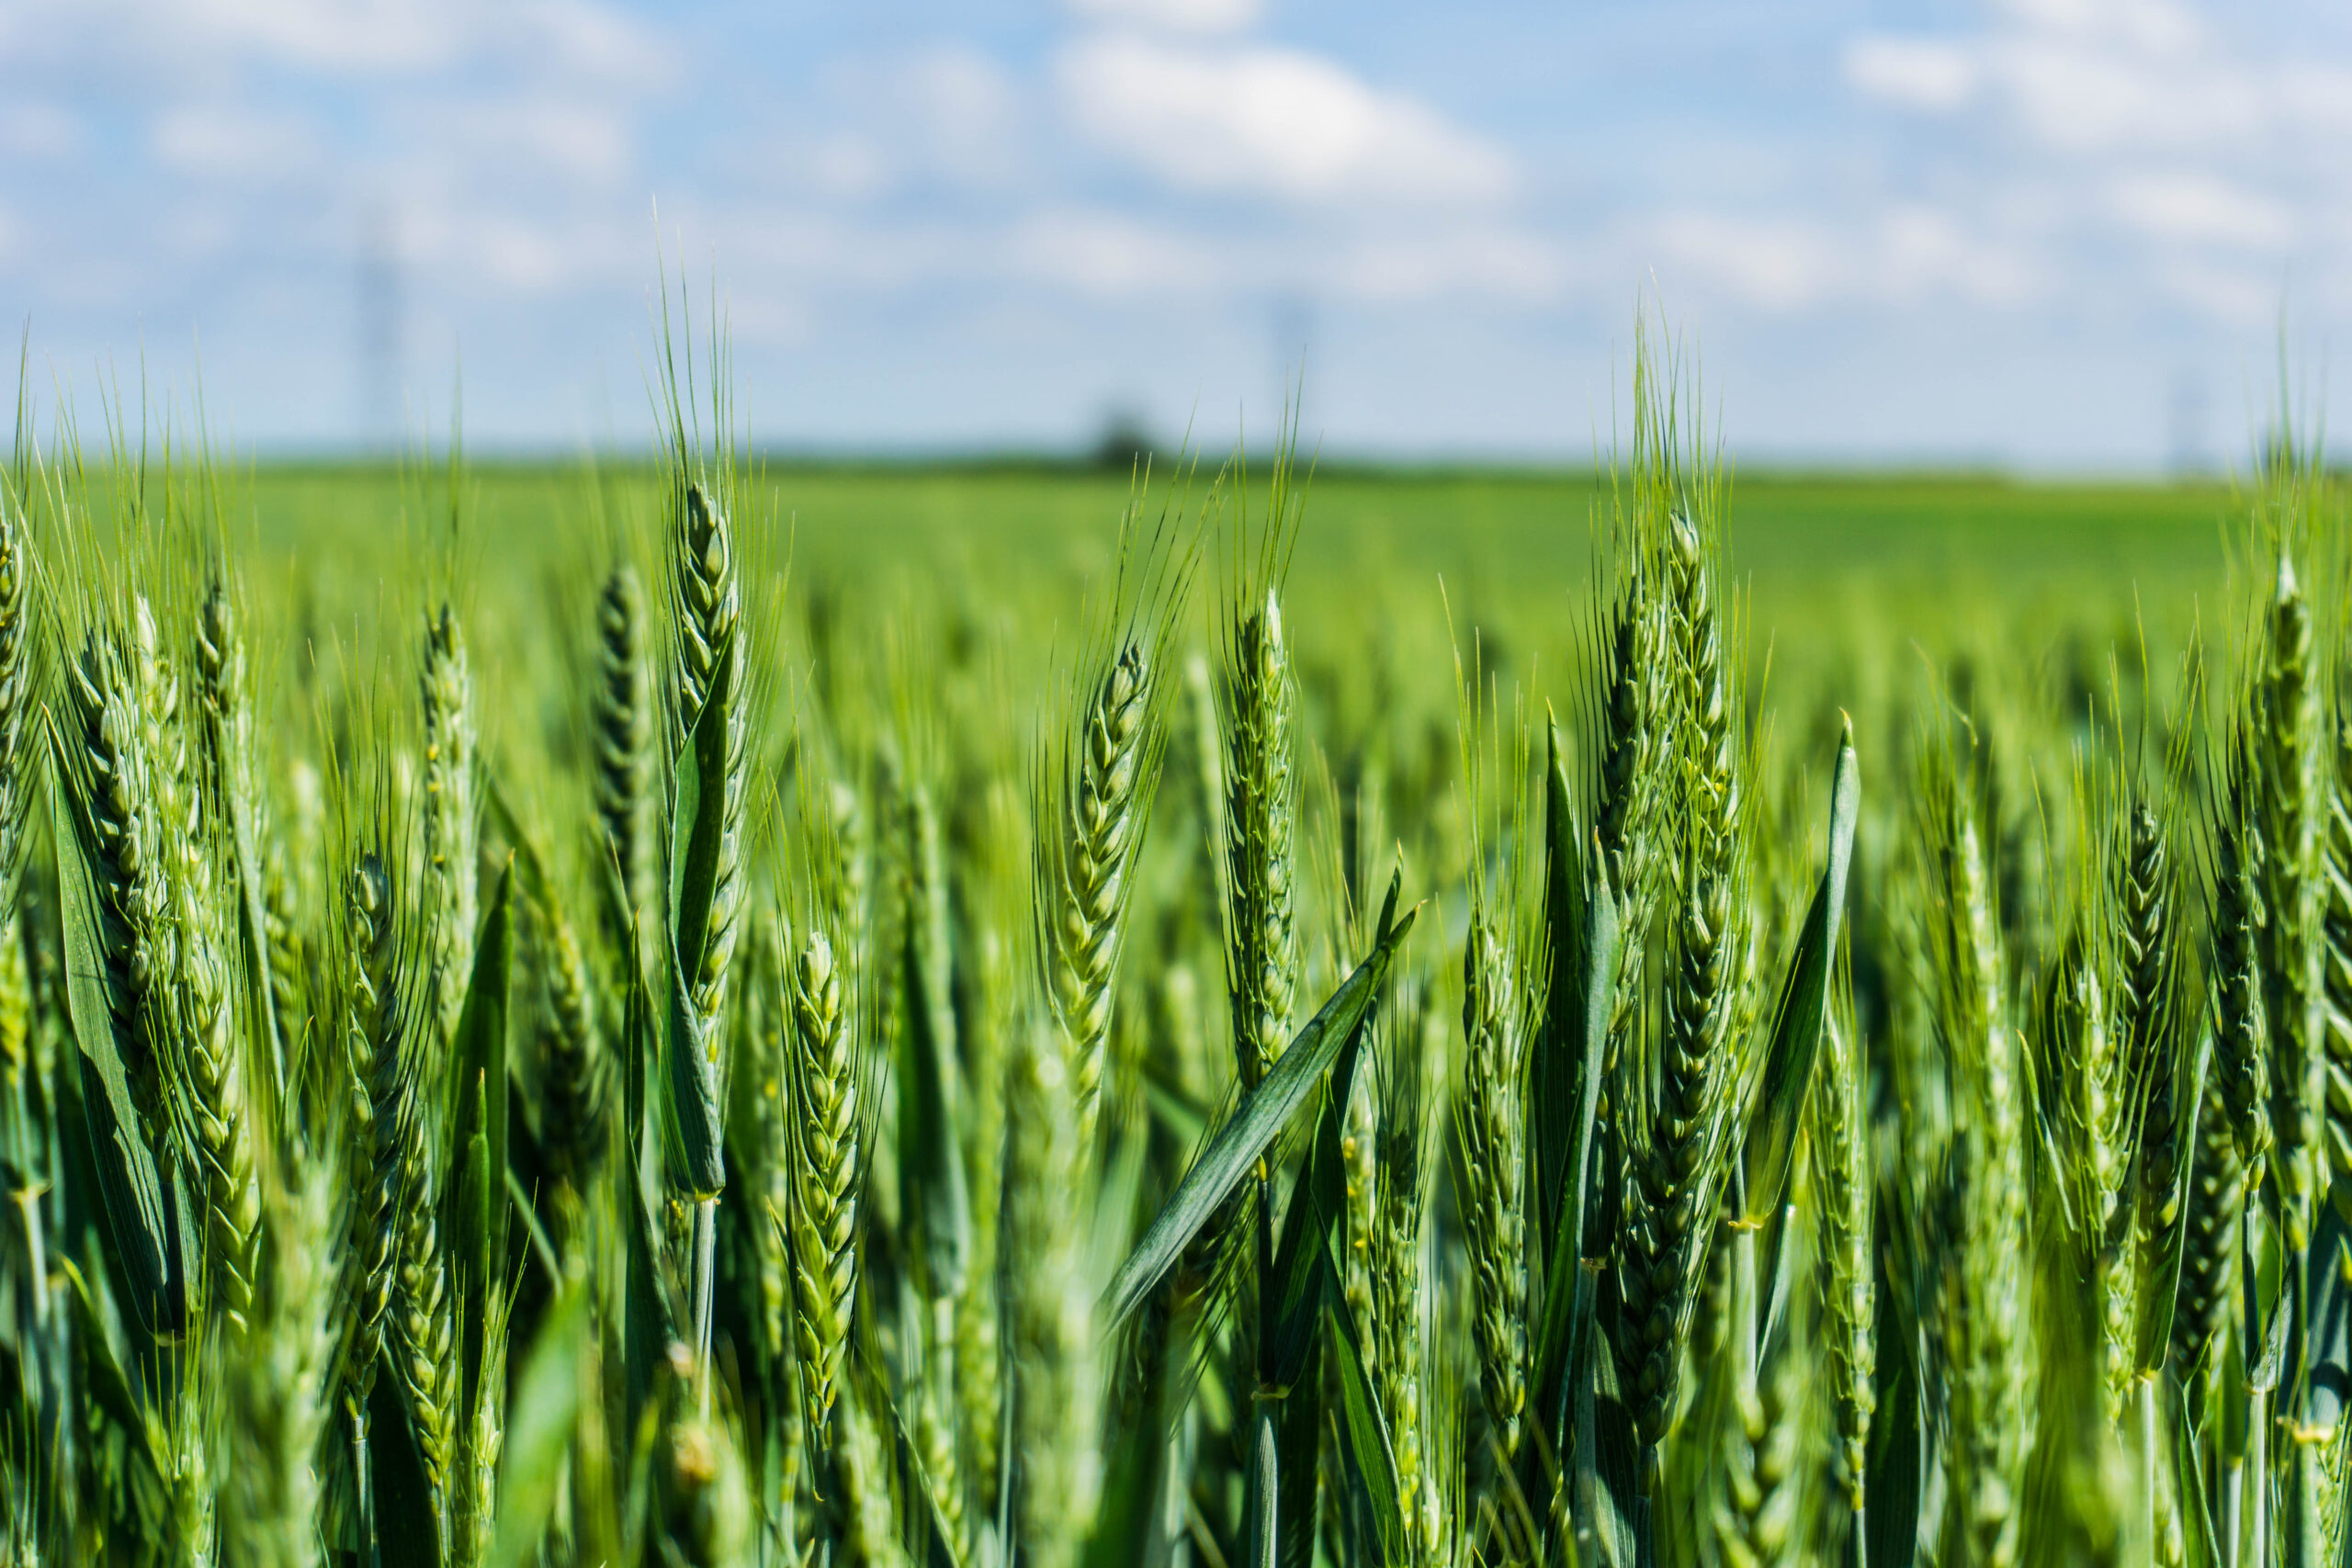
(1125, 442)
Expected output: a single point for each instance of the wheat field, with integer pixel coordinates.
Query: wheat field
(702, 1013)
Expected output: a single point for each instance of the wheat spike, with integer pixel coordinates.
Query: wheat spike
(1496, 1156)
(1263, 963)
(2208, 1253)
(1842, 1177)
(106, 773)
(379, 1051)
(573, 1062)
(2287, 735)
(2240, 1030)
(1102, 782)
(1980, 1199)
(704, 619)
(278, 1394)
(623, 732)
(1674, 1164)
(822, 1226)
(449, 817)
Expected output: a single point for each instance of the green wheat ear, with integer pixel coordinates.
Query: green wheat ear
(821, 1225)
(450, 814)
(1104, 833)
(621, 722)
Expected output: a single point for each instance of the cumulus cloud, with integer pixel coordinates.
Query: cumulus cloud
(1918, 73)
(2190, 206)
(227, 141)
(1112, 254)
(1270, 122)
(1175, 15)
(2137, 144)
(31, 129)
(1792, 263)
(2096, 76)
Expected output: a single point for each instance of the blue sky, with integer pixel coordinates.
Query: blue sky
(2044, 232)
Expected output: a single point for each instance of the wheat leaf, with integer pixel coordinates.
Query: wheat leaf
(1371, 1460)
(139, 1209)
(1804, 1006)
(1259, 1119)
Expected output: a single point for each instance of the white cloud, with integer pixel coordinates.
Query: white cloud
(2160, 26)
(2201, 208)
(1175, 15)
(1788, 264)
(225, 140)
(1272, 122)
(365, 36)
(1111, 255)
(1487, 262)
(34, 129)
(1918, 73)
(576, 138)
(2135, 143)
(943, 114)
(2223, 292)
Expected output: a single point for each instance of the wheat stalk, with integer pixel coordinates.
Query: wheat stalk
(1048, 1316)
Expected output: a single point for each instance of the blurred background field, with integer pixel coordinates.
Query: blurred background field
(1836, 567)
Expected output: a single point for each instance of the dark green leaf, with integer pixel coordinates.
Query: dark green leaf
(2189, 1478)
(540, 1422)
(406, 1533)
(698, 817)
(697, 1113)
(1558, 1332)
(1608, 1465)
(1370, 1461)
(1131, 1520)
(1803, 1011)
(479, 1066)
(1555, 1073)
(647, 1323)
(2160, 1284)
(253, 939)
(695, 1117)
(1262, 1500)
(934, 1538)
(2327, 1343)
(138, 1207)
(476, 1219)
(537, 886)
(1233, 1153)
(1898, 1459)
(934, 1198)
(102, 1366)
